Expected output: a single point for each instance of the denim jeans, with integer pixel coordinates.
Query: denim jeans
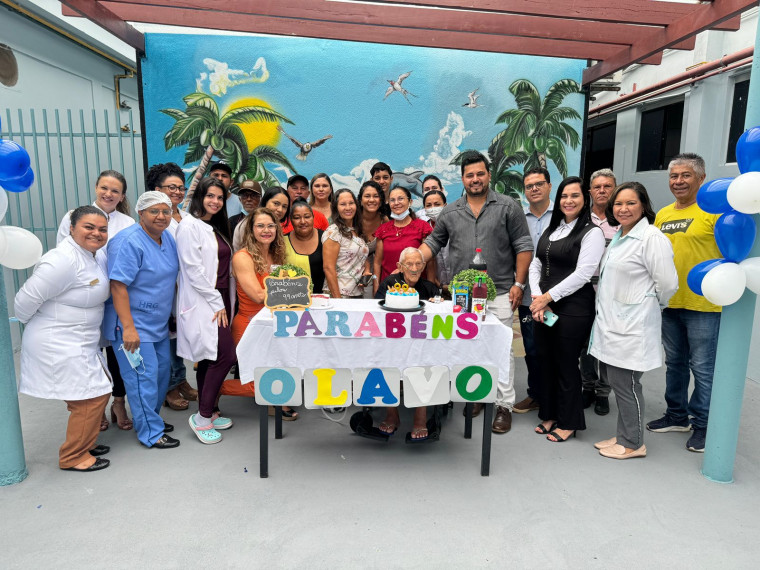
(690, 339)
(531, 355)
(179, 372)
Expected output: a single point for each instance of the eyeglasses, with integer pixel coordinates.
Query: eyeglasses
(537, 186)
(262, 227)
(417, 265)
(157, 211)
(174, 188)
(248, 195)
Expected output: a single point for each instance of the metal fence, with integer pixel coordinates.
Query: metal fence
(68, 149)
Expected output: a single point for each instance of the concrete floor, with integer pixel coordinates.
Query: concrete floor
(335, 500)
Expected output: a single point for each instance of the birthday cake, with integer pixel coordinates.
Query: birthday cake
(402, 297)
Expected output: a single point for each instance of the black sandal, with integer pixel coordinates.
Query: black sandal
(540, 429)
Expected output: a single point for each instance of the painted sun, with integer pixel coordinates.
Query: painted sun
(260, 132)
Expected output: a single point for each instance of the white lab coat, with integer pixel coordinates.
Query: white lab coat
(116, 222)
(197, 298)
(636, 281)
(62, 307)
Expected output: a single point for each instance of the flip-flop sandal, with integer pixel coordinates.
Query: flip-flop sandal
(207, 435)
(387, 425)
(419, 430)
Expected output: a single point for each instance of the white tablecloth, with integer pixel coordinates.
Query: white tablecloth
(259, 347)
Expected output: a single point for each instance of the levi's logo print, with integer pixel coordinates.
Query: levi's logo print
(676, 226)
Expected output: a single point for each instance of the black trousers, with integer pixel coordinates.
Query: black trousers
(113, 367)
(559, 349)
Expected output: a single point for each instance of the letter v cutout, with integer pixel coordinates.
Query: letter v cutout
(426, 386)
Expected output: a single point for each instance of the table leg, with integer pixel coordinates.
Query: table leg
(485, 455)
(278, 422)
(468, 420)
(263, 441)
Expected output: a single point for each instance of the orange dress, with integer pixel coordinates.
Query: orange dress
(247, 309)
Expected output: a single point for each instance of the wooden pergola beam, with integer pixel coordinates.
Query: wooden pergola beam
(646, 12)
(415, 18)
(704, 17)
(294, 26)
(106, 19)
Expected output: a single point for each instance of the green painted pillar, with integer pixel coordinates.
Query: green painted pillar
(733, 345)
(12, 462)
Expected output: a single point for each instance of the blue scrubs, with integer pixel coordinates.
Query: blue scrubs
(149, 271)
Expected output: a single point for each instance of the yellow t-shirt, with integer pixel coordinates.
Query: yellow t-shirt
(692, 233)
(296, 259)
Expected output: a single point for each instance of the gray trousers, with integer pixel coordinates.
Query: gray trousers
(592, 380)
(630, 402)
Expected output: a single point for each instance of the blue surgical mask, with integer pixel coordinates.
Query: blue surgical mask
(135, 359)
(433, 213)
(401, 216)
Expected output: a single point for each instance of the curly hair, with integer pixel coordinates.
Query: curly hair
(122, 206)
(218, 221)
(249, 243)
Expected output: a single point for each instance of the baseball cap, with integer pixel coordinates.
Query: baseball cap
(297, 178)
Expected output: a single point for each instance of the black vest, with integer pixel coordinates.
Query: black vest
(558, 260)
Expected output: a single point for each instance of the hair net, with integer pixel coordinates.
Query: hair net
(151, 198)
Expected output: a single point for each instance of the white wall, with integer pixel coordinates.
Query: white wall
(707, 113)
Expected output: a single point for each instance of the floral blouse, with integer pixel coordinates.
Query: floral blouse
(351, 257)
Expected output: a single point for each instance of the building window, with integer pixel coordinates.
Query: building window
(659, 137)
(600, 148)
(738, 114)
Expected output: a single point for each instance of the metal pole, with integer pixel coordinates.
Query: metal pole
(733, 345)
(12, 463)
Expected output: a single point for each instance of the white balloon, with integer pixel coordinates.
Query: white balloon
(724, 284)
(3, 203)
(751, 267)
(744, 193)
(24, 248)
(3, 243)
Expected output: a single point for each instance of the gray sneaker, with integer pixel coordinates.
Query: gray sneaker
(666, 424)
(696, 442)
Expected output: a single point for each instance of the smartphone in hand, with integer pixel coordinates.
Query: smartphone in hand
(365, 280)
(550, 318)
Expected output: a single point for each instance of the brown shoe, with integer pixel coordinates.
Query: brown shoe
(502, 423)
(175, 401)
(187, 391)
(476, 409)
(527, 405)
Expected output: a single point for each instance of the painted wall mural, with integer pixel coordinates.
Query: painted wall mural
(273, 106)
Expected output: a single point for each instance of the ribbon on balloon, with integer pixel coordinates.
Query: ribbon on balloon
(723, 281)
(19, 248)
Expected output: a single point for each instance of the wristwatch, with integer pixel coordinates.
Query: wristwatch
(520, 285)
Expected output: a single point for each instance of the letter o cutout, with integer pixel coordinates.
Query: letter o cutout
(268, 379)
(483, 389)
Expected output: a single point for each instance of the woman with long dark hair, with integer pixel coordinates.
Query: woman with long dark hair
(277, 199)
(344, 252)
(371, 207)
(205, 300)
(567, 255)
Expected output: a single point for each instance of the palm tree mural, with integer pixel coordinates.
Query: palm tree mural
(208, 134)
(536, 131)
(538, 127)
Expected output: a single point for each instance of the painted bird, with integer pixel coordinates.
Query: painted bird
(305, 148)
(473, 100)
(396, 86)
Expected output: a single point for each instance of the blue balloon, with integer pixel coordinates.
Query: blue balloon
(748, 150)
(698, 272)
(19, 183)
(713, 196)
(735, 234)
(14, 160)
